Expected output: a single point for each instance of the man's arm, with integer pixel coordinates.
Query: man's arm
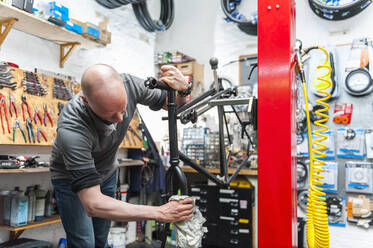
(99, 205)
(77, 156)
(176, 80)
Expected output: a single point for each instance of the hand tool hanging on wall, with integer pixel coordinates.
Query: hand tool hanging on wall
(3, 106)
(7, 83)
(60, 91)
(60, 106)
(18, 125)
(46, 114)
(6, 77)
(37, 116)
(5, 69)
(24, 103)
(32, 85)
(51, 111)
(30, 131)
(12, 105)
(42, 134)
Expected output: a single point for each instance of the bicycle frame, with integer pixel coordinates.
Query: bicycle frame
(189, 112)
(175, 177)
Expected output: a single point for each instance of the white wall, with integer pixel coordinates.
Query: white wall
(231, 42)
(192, 32)
(131, 50)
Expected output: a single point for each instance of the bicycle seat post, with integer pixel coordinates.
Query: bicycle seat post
(222, 156)
(214, 66)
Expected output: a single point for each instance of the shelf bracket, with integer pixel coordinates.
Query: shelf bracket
(63, 56)
(15, 234)
(8, 23)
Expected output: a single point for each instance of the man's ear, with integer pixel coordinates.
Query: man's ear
(84, 99)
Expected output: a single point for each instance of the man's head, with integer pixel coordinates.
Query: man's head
(104, 92)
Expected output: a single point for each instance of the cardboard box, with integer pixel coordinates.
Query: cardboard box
(75, 26)
(77, 22)
(91, 31)
(105, 35)
(186, 68)
(58, 14)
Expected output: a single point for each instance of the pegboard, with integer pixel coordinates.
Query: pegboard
(362, 116)
(6, 138)
(133, 138)
(33, 102)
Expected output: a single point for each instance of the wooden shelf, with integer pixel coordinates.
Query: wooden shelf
(28, 170)
(46, 221)
(23, 21)
(176, 63)
(15, 232)
(38, 27)
(46, 169)
(131, 163)
(244, 172)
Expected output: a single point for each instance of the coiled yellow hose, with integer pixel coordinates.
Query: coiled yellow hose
(317, 219)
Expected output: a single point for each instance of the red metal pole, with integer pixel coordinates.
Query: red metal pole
(277, 220)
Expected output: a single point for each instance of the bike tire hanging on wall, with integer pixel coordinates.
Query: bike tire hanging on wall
(333, 11)
(112, 4)
(247, 26)
(165, 20)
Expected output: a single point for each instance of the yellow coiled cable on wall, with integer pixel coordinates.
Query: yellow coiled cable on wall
(317, 219)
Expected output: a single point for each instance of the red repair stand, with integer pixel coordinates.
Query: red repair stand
(277, 200)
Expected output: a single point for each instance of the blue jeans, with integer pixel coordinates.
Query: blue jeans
(82, 231)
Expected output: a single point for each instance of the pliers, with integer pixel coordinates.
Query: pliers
(46, 114)
(3, 106)
(12, 104)
(36, 114)
(17, 124)
(60, 107)
(30, 131)
(24, 103)
(42, 134)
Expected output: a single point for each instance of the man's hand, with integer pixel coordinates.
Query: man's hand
(174, 211)
(174, 78)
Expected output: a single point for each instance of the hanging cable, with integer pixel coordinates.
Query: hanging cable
(143, 16)
(112, 4)
(335, 11)
(249, 26)
(317, 219)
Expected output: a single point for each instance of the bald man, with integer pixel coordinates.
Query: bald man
(84, 165)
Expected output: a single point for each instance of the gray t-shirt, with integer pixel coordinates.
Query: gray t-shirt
(84, 141)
